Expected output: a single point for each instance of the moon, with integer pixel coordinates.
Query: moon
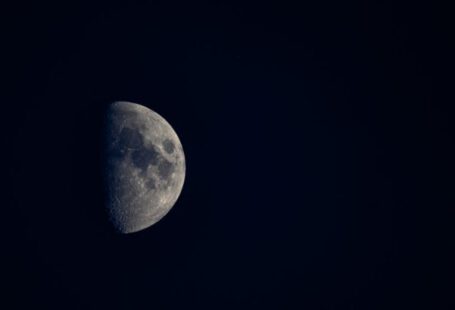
(144, 166)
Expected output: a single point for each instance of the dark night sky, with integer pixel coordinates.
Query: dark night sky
(317, 155)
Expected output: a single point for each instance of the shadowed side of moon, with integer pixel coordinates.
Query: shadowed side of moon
(144, 166)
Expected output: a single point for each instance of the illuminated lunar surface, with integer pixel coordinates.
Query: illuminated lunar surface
(144, 166)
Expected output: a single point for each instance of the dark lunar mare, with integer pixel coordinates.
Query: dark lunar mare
(131, 141)
(168, 146)
(165, 168)
(144, 156)
(130, 138)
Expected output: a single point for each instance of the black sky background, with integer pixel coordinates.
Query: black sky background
(318, 155)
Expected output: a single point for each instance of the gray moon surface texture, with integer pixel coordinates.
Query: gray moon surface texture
(144, 166)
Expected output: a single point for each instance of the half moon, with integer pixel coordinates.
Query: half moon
(144, 166)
